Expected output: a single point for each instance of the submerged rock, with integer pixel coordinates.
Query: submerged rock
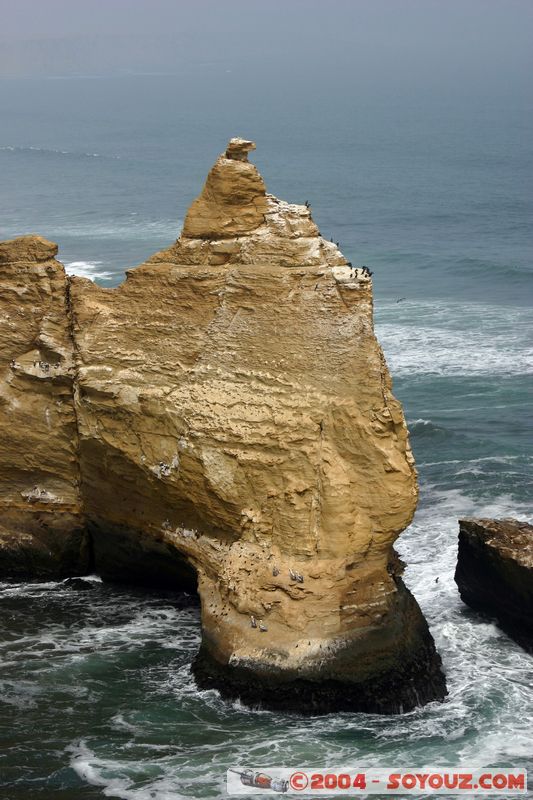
(226, 417)
(495, 573)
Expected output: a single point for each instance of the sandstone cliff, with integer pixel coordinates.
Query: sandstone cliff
(495, 573)
(225, 414)
(41, 529)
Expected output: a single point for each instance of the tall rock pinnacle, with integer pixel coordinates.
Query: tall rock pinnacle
(224, 416)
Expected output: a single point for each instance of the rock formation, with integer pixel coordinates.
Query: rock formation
(226, 416)
(495, 573)
(42, 533)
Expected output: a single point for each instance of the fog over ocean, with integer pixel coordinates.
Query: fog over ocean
(427, 181)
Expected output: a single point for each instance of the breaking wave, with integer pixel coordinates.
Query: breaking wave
(158, 737)
(455, 339)
(51, 151)
(134, 228)
(88, 269)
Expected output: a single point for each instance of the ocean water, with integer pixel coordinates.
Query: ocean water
(433, 191)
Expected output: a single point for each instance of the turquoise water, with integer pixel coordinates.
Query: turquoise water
(434, 192)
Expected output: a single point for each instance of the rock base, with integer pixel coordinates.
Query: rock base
(52, 545)
(43, 545)
(364, 675)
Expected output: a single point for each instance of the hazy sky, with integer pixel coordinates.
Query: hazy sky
(454, 39)
(489, 21)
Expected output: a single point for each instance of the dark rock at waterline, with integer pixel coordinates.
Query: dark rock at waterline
(124, 555)
(367, 674)
(495, 573)
(43, 544)
(78, 585)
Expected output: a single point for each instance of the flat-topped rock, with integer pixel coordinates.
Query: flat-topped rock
(27, 248)
(238, 149)
(495, 573)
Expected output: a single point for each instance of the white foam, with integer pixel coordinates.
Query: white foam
(478, 658)
(495, 459)
(420, 421)
(455, 339)
(99, 771)
(172, 627)
(412, 351)
(87, 578)
(154, 748)
(29, 589)
(122, 724)
(133, 228)
(88, 269)
(90, 578)
(55, 152)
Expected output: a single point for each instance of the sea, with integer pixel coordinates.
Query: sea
(432, 189)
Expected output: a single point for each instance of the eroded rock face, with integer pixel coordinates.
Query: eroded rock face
(42, 531)
(231, 412)
(495, 573)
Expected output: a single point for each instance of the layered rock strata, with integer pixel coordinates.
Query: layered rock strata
(225, 416)
(495, 573)
(42, 531)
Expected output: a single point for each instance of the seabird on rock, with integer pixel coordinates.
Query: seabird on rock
(262, 627)
(253, 623)
(295, 576)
